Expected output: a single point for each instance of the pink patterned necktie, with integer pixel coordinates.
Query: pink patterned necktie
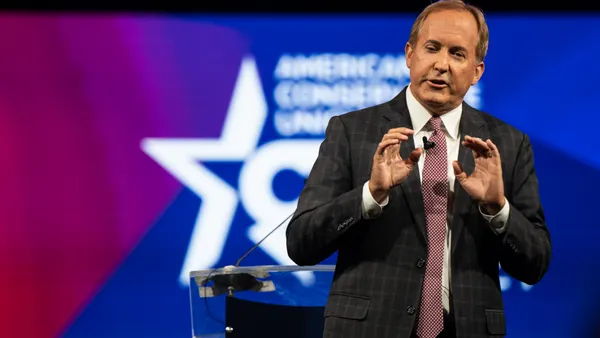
(435, 199)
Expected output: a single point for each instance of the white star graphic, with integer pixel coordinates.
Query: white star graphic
(180, 157)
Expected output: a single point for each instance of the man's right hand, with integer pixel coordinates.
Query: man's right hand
(389, 169)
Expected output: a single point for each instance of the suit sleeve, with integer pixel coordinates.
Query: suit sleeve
(329, 205)
(525, 248)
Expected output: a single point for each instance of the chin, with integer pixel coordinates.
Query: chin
(436, 98)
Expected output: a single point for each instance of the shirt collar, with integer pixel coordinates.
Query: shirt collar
(420, 116)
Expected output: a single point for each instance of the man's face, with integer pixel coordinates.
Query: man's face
(443, 63)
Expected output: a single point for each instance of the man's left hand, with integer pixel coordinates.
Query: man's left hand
(485, 184)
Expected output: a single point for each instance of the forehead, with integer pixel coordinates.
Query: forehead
(452, 27)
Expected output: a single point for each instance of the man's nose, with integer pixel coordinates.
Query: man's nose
(441, 64)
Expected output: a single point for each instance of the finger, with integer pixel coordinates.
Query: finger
(383, 145)
(394, 150)
(399, 136)
(476, 144)
(413, 157)
(391, 151)
(493, 148)
(469, 142)
(482, 148)
(481, 144)
(461, 176)
(473, 146)
(470, 139)
(402, 130)
(386, 154)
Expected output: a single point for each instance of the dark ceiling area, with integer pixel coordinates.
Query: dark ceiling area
(287, 6)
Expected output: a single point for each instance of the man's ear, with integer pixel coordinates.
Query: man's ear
(408, 52)
(478, 73)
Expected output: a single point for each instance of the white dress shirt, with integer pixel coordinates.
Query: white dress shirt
(450, 126)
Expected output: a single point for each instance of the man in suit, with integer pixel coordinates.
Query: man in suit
(421, 224)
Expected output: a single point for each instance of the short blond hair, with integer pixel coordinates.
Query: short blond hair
(484, 34)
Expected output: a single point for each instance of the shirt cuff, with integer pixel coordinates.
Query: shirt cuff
(370, 207)
(498, 221)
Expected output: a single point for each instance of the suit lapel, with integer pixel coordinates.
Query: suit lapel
(471, 124)
(395, 117)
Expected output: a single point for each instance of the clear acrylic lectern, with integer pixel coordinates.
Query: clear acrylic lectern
(259, 301)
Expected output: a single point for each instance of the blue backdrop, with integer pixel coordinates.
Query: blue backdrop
(297, 71)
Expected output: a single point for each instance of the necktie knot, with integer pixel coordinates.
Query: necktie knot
(436, 123)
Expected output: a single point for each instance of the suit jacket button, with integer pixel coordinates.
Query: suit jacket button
(410, 310)
(420, 263)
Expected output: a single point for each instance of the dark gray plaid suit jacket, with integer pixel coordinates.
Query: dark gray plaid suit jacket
(376, 287)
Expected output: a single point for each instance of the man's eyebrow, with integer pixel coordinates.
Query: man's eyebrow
(459, 48)
(435, 42)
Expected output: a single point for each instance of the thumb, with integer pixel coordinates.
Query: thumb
(461, 176)
(413, 157)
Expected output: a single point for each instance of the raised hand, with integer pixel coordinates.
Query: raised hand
(389, 168)
(485, 183)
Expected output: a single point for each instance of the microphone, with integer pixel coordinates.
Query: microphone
(237, 264)
(231, 283)
(427, 144)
